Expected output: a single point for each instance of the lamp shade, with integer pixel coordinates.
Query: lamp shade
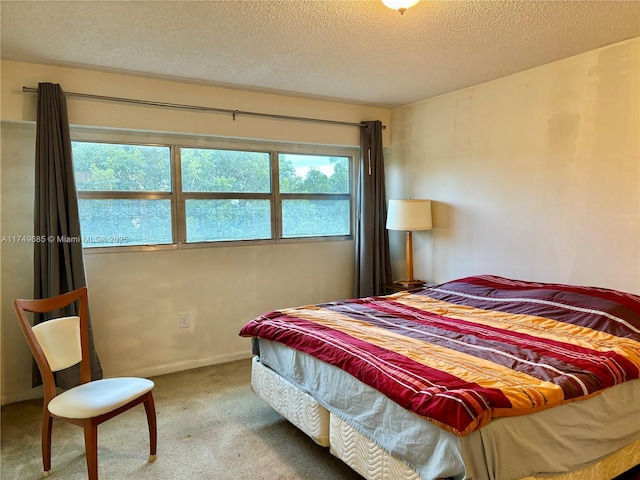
(400, 5)
(409, 215)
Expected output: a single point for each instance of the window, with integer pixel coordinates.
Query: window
(315, 195)
(227, 194)
(154, 195)
(124, 194)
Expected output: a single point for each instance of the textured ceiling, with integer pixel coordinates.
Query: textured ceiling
(357, 51)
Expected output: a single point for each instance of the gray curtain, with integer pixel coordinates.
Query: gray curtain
(373, 265)
(58, 261)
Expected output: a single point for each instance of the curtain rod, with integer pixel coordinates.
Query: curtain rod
(234, 113)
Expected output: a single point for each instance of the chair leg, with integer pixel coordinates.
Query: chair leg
(91, 448)
(47, 424)
(150, 408)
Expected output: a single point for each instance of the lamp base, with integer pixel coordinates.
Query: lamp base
(413, 283)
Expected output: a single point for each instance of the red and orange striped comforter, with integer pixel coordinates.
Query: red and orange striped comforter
(468, 350)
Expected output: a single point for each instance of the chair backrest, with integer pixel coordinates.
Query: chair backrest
(59, 339)
(57, 343)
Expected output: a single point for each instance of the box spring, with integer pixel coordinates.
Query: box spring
(364, 456)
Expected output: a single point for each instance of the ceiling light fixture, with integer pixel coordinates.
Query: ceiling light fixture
(400, 5)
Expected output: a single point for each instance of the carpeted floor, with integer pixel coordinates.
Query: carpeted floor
(210, 426)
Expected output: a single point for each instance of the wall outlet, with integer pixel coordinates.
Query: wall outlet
(183, 320)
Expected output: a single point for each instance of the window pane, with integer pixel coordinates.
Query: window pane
(313, 174)
(315, 218)
(225, 220)
(206, 170)
(124, 168)
(113, 223)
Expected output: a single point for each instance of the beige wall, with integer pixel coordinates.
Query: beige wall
(534, 176)
(17, 106)
(136, 297)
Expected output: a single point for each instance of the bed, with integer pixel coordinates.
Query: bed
(480, 378)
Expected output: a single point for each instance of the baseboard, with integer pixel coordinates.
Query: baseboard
(145, 373)
(22, 396)
(180, 366)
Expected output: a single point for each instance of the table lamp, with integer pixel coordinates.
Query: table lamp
(409, 215)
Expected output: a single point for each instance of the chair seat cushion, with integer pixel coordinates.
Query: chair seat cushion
(99, 397)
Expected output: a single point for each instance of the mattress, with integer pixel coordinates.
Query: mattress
(472, 350)
(369, 444)
(479, 378)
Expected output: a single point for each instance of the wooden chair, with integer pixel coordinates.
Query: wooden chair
(60, 343)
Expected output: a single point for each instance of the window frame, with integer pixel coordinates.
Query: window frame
(178, 207)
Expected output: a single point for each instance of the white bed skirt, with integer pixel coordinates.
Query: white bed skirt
(298, 407)
(364, 456)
